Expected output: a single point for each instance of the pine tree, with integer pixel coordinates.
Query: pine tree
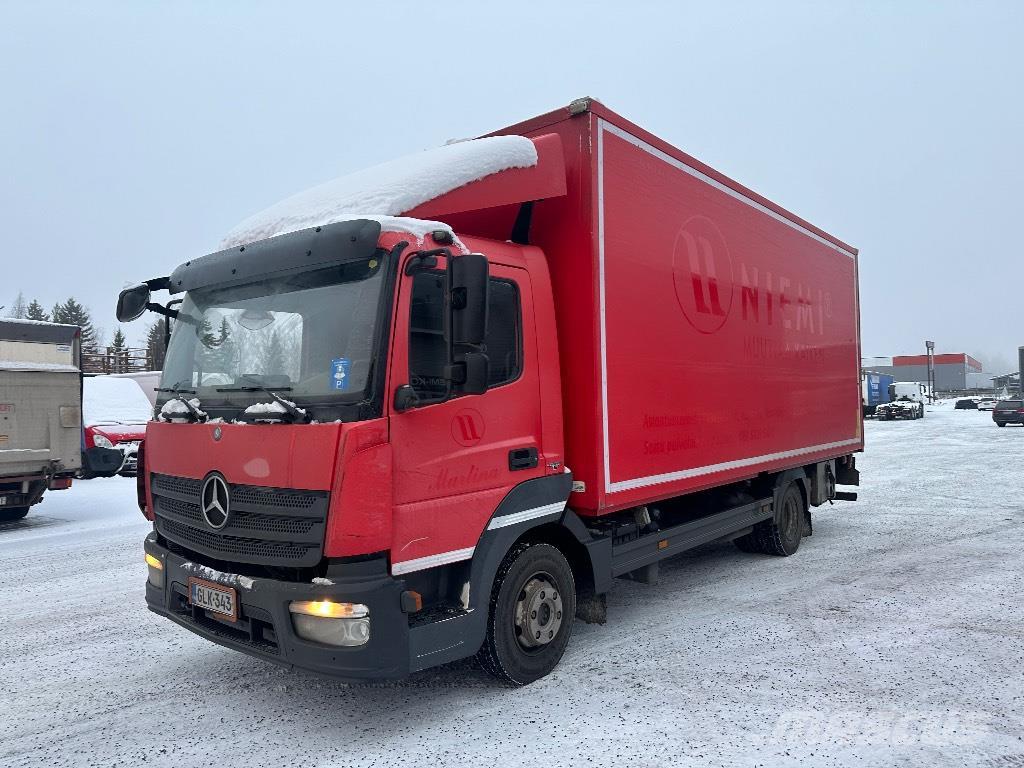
(225, 354)
(117, 352)
(73, 313)
(35, 311)
(19, 310)
(273, 361)
(155, 345)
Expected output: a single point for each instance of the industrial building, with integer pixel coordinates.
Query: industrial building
(954, 372)
(1008, 381)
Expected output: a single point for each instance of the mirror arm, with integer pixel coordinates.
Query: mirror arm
(167, 321)
(160, 309)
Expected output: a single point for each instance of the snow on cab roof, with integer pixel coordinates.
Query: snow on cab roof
(389, 189)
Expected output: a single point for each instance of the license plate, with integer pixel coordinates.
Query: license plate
(215, 598)
(3, 501)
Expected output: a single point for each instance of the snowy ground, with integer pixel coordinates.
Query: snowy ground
(894, 637)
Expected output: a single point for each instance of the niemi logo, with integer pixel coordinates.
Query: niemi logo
(702, 270)
(468, 427)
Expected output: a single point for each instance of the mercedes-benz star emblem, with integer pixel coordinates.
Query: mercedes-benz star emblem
(215, 501)
(217, 433)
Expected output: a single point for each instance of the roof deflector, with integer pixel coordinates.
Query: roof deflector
(515, 185)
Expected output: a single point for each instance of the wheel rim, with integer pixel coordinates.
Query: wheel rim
(538, 614)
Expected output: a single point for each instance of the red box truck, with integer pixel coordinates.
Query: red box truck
(385, 444)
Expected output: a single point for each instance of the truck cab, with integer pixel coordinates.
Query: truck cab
(328, 487)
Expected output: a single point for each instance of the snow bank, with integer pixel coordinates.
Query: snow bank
(109, 400)
(389, 189)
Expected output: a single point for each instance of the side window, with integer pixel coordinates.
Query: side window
(504, 326)
(427, 348)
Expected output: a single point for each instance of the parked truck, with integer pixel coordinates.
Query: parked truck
(386, 444)
(906, 401)
(40, 412)
(875, 389)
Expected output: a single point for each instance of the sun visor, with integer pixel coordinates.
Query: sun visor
(293, 252)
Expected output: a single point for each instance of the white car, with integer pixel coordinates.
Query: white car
(987, 404)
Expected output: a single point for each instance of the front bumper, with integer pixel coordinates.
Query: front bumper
(264, 627)
(895, 413)
(131, 457)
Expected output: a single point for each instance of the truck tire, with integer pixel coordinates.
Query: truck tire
(8, 514)
(533, 603)
(780, 535)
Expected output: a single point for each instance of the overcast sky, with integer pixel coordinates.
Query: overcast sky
(134, 135)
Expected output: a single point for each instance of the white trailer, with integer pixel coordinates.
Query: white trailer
(40, 411)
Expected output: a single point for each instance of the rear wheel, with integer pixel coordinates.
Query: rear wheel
(1000, 423)
(7, 514)
(780, 535)
(533, 603)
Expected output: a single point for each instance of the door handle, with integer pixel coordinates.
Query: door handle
(522, 458)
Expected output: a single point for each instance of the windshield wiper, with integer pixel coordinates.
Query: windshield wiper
(194, 414)
(177, 389)
(297, 414)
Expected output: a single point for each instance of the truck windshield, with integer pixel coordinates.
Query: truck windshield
(309, 336)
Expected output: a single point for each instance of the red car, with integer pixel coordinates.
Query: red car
(114, 414)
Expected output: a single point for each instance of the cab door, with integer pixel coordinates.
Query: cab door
(455, 460)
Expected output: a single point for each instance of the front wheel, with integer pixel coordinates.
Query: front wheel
(8, 514)
(533, 604)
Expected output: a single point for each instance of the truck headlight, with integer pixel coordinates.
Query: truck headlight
(331, 623)
(102, 441)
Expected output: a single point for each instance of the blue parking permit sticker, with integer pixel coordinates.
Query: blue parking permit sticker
(339, 372)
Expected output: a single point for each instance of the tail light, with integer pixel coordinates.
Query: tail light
(141, 481)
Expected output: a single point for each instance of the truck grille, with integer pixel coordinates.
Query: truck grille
(266, 526)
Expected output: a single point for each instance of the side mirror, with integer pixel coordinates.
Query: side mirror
(467, 289)
(131, 302)
(406, 398)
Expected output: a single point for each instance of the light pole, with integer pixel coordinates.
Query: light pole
(930, 356)
(1020, 371)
